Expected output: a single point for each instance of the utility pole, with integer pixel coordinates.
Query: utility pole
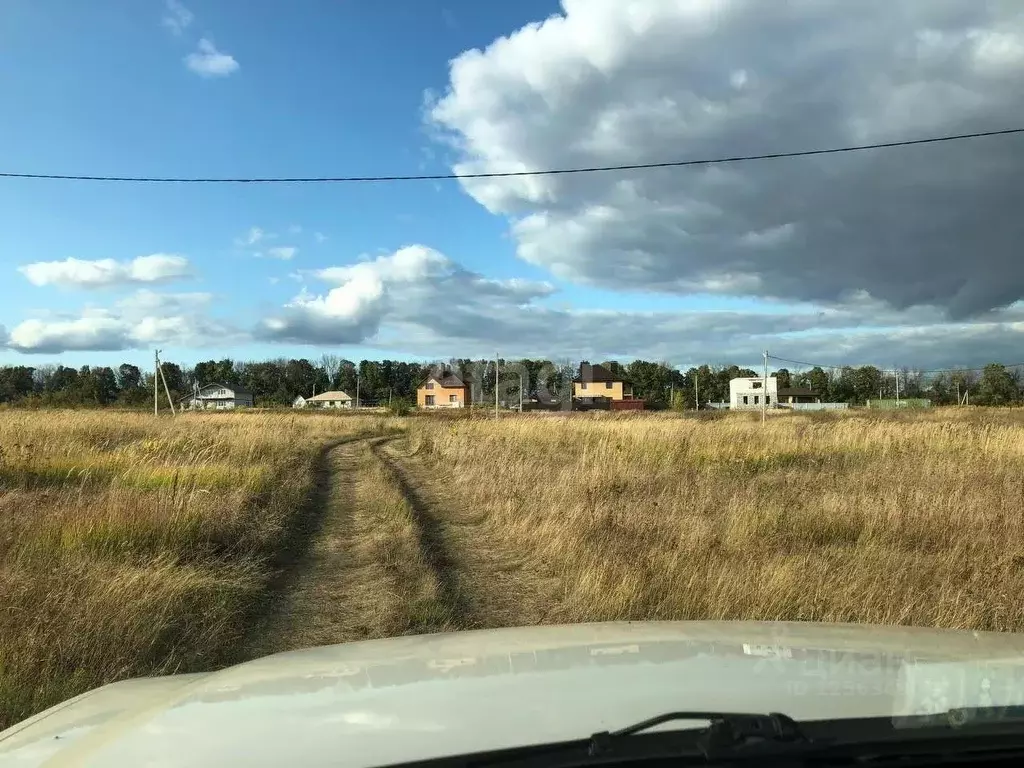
(357, 388)
(896, 373)
(167, 389)
(958, 393)
(696, 396)
(156, 382)
(764, 394)
(496, 385)
(520, 393)
(158, 374)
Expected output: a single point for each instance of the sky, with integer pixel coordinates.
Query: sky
(897, 257)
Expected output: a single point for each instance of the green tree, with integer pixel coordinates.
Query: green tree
(129, 377)
(16, 382)
(997, 386)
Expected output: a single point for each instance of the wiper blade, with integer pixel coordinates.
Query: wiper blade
(732, 737)
(728, 731)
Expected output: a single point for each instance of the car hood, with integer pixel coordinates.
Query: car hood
(409, 698)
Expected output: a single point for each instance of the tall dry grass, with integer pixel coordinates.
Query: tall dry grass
(891, 519)
(131, 545)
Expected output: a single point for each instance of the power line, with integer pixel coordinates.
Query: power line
(512, 174)
(932, 370)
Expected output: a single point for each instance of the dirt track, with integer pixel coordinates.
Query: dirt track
(380, 552)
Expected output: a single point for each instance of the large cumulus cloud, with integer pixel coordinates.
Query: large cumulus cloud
(636, 81)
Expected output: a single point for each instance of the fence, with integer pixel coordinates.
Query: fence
(627, 405)
(906, 403)
(818, 406)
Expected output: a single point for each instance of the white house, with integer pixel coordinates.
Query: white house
(217, 396)
(333, 399)
(753, 392)
(299, 402)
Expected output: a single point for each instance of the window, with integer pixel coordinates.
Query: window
(430, 385)
(453, 398)
(757, 384)
(583, 385)
(745, 400)
(429, 400)
(767, 399)
(756, 399)
(607, 385)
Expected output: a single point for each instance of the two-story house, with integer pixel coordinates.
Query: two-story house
(758, 392)
(443, 391)
(596, 381)
(217, 396)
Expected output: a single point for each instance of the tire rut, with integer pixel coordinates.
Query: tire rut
(433, 540)
(273, 619)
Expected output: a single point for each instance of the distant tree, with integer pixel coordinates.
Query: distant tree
(997, 386)
(175, 379)
(346, 379)
(299, 377)
(16, 382)
(129, 377)
(784, 378)
(330, 364)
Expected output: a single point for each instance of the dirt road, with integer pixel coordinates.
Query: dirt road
(381, 551)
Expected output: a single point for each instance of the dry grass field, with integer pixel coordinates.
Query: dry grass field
(890, 519)
(130, 546)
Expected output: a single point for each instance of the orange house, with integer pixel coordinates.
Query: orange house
(446, 391)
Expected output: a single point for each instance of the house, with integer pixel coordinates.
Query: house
(332, 399)
(443, 391)
(753, 392)
(217, 396)
(596, 381)
(299, 402)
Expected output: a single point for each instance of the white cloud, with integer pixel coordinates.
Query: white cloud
(176, 17)
(418, 301)
(252, 237)
(611, 82)
(352, 311)
(207, 61)
(81, 334)
(284, 252)
(319, 237)
(100, 273)
(137, 321)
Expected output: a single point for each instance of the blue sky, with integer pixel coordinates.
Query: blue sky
(664, 266)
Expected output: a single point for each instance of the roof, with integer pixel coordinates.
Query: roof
(797, 392)
(447, 380)
(237, 390)
(590, 373)
(335, 394)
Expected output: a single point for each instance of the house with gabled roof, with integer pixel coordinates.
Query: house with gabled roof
(444, 390)
(217, 396)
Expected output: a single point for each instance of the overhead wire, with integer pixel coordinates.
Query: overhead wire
(510, 174)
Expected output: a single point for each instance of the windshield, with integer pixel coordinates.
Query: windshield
(351, 323)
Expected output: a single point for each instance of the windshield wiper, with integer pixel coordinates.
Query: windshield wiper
(982, 732)
(728, 731)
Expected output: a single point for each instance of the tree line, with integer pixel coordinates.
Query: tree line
(279, 382)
